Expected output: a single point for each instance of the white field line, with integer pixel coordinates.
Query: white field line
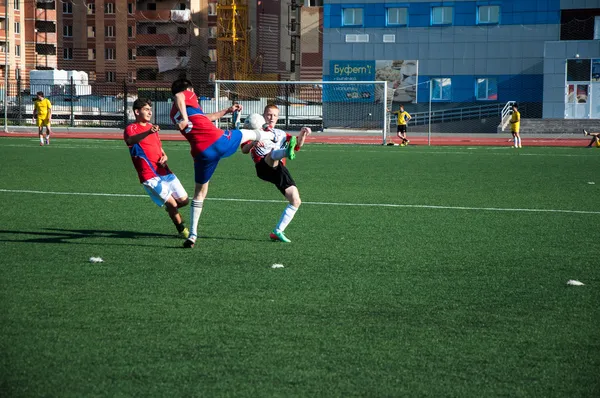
(388, 205)
(334, 148)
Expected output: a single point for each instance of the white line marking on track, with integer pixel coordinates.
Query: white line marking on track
(319, 203)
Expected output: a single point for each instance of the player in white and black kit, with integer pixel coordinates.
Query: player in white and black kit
(269, 159)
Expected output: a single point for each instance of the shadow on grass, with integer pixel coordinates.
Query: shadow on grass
(54, 235)
(50, 235)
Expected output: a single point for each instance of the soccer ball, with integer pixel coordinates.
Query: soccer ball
(254, 121)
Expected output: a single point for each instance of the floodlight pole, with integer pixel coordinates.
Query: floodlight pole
(6, 49)
(429, 128)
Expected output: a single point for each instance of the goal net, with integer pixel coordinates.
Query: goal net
(352, 107)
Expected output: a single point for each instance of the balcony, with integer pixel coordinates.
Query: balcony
(45, 37)
(45, 15)
(153, 16)
(163, 40)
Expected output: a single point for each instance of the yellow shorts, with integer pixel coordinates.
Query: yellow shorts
(42, 121)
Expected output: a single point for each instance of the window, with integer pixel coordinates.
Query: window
(130, 8)
(487, 89)
(68, 30)
(131, 77)
(182, 53)
(17, 27)
(129, 31)
(488, 14)
(441, 16)
(352, 17)
(17, 5)
(441, 89)
(109, 31)
(147, 51)
(151, 6)
(18, 50)
(147, 74)
(397, 16)
(18, 74)
(67, 53)
(152, 30)
(579, 70)
(45, 49)
(212, 32)
(91, 8)
(91, 54)
(181, 30)
(109, 8)
(131, 54)
(109, 53)
(182, 6)
(91, 31)
(353, 38)
(212, 54)
(67, 8)
(212, 9)
(110, 77)
(45, 26)
(596, 28)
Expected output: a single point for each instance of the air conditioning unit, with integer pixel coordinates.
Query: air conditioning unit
(353, 38)
(389, 38)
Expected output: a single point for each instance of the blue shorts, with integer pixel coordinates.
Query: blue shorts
(205, 163)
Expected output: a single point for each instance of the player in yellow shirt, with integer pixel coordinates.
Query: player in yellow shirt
(595, 139)
(515, 125)
(403, 118)
(42, 115)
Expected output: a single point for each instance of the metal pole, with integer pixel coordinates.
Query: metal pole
(429, 129)
(6, 66)
(386, 118)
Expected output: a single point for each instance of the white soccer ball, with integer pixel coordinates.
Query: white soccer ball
(254, 121)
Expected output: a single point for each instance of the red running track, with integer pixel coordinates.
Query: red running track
(348, 139)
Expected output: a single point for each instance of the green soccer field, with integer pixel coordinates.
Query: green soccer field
(418, 271)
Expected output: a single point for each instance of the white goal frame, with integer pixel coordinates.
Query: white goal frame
(223, 102)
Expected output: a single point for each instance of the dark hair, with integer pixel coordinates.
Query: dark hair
(139, 103)
(180, 85)
(40, 93)
(515, 106)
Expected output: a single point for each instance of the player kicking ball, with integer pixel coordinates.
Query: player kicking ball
(269, 160)
(150, 161)
(208, 143)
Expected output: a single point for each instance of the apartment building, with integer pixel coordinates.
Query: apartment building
(27, 38)
(146, 42)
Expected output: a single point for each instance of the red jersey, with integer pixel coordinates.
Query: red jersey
(202, 133)
(146, 153)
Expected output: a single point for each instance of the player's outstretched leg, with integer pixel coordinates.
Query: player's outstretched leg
(257, 135)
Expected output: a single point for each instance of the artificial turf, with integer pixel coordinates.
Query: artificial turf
(417, 271)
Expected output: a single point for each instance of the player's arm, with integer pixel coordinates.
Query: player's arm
(217, 115)
(180, 104)
(49, 110)
(135, 139)
(408, 116)
(304, 132)
(163, 158)
(248, 145)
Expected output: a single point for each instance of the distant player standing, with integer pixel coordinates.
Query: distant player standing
(402, 120)
(42, 115)
(208, 143)
(515, 125)
(150, 161)
(269, 161)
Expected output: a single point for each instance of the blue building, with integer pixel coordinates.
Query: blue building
(543, 53)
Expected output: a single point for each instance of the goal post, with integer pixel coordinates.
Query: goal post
(344, 107)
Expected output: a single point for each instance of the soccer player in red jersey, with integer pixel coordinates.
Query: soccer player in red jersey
(150, 161)
(208, 143)
(269, 160)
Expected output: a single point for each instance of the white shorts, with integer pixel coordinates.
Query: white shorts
(160, 188)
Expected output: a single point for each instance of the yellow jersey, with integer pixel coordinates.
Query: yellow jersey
(515, 121)
(42, 107)
(403, 117)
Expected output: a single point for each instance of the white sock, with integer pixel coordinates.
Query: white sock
(278, 154)
(41, 139)
(286, 217)
(257, 135)
(195, 212)
(519, 141)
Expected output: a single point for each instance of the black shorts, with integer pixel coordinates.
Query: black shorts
(278, 176)
(401, 128)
